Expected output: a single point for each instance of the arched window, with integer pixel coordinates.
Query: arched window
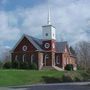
(67, 61)
(32, 58)
(23, 58)
(16, 58)
(46, 56)
(57, 60)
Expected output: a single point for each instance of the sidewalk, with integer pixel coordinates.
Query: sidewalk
(22, 87)
(66, 83)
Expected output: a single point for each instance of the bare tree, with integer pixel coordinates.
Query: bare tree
(83, 54)
(6, 56)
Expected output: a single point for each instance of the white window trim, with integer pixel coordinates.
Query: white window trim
(24, 48)
(57, 60)
(23, 57)
(46, 57)
(47, 45)
(32, 58)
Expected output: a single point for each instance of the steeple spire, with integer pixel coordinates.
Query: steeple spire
(49, 17)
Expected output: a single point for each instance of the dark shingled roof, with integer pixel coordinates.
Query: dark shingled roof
(72, 51)
(36, 42)
(60, 46)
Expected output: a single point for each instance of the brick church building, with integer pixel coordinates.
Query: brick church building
(45, 52)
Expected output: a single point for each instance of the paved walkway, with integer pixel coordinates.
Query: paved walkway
(58, 86)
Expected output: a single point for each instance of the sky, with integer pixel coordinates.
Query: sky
(71, 19)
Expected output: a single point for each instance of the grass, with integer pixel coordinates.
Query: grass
(23, 77)
(12, 77)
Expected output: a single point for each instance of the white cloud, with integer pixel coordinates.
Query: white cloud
(7, 29)
(70, 18)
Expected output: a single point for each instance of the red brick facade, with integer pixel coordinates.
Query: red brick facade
(26, 42)
(46, 57)
(51, 42)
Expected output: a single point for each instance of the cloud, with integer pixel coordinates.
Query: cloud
(8, 30)
(70, 17)
(5, 52)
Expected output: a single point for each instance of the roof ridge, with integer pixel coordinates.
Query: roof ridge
(31, 39)
(32, 36)
(61, 42)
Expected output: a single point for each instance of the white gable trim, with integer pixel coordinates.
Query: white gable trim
(67, 48)
(18, 43)
(31, 41)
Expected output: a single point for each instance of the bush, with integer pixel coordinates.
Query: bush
(7, 65)
(72, 77)
(33, 66)
(69, 67)
(15, 64)
(67, 78)
(24, 65)
(79, 67)
(1, 64)
(88, 71)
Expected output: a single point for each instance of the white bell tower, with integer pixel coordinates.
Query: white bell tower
(49, 35)
(49, 30)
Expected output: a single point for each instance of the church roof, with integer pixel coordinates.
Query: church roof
(36, 42)
(60, 46)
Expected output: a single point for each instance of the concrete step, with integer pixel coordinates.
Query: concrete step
(57, 68)
(47, 67)
(52, 68)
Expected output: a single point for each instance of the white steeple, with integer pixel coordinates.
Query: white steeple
(49, 17)
(49, 30)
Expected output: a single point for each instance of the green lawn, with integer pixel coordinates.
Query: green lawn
(26, 77)
(23, 77)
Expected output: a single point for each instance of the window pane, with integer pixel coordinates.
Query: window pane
(46, 34)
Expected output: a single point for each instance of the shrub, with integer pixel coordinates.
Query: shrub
(72, 77)
(15, 64)
(67, 78)
(69, 67)
(33, 66)
(88, 71)
(21, 65)
(24, 65)
(1, 64)
(7, 65)
(79, 67)
(85, 75)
